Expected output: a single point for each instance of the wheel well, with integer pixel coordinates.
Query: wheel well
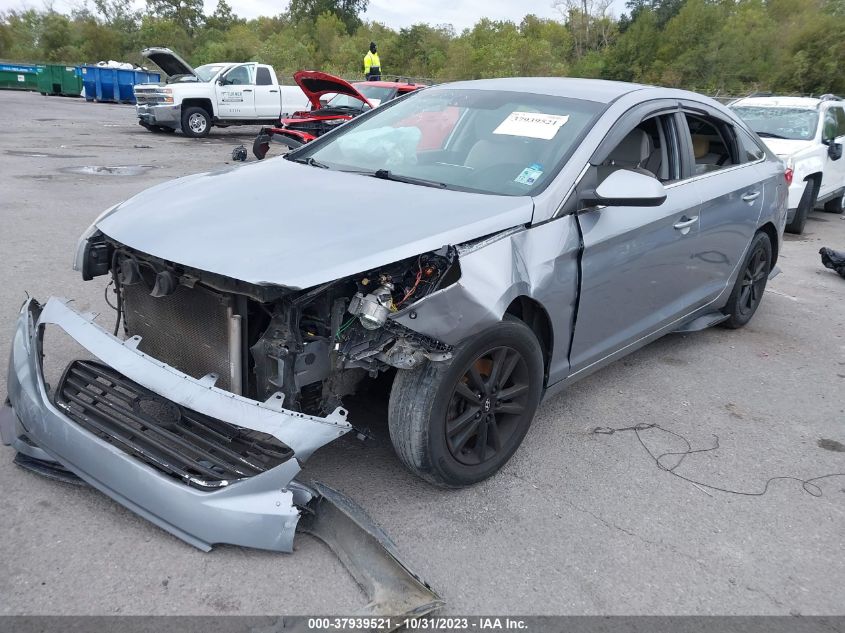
(769, 229)
(205, 104)
(535, 316)
(817, 180)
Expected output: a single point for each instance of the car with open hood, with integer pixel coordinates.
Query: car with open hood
(559, 224)
(334, 101)
(219, 94)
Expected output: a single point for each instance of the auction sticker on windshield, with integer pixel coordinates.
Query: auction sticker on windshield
(532, 125)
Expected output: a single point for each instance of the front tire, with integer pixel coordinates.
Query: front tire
(751, 283)
(196, 122)
(805, 205)
(457, 422)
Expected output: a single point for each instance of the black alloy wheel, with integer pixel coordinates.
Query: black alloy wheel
(750, 285)
(457, 422)
(754, 281)
(488, 406)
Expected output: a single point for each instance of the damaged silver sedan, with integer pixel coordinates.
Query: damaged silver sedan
(482, 244)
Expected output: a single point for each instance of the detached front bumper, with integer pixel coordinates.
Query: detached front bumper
(260, 511)
(165, 116)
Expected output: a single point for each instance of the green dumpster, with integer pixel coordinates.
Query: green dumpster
(55, 79)
(18, 77)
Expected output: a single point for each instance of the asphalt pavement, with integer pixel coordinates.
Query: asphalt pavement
(576, 523)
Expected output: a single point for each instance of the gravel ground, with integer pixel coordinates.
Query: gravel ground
(576, 523)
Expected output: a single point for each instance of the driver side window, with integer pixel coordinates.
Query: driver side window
(239, 76)
(651, 148)
(834, 123)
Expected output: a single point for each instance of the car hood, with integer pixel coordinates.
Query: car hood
(784, 147)
(282, 223)
(168, 61)
(315, 84)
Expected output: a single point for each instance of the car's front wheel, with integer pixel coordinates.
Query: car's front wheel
(751, 283)
(195, 122)
(805, 205)
(457, 422)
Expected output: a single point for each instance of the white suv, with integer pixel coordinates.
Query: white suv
(807, 133)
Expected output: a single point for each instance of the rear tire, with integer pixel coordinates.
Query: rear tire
(835, 205)
(750, 284)
(457, 422)
(196, 122)
(808, 201)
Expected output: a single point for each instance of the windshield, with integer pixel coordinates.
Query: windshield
(506, 143)
(208, 71)
(374, 94)
(798, 124)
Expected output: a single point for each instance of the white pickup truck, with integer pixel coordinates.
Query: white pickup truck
(213, 95)
(808, 135)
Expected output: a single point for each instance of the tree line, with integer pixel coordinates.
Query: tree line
(724, 46)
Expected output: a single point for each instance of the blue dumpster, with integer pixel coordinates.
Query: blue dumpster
(128, 79)
(113, 84)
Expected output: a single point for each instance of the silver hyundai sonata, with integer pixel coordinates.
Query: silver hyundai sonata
(481, 244)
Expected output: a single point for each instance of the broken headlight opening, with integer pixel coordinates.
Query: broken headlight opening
(314, 346)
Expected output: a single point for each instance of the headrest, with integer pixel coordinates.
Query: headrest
(633, 150)
(700, 146)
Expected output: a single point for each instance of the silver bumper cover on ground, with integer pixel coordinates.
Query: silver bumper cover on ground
(260, 511)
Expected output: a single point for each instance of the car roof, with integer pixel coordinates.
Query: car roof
(600, 90)
(779, 102)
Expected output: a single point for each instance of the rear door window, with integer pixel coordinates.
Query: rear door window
(263, 77)
(712, 144)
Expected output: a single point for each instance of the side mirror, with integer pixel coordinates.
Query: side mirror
(626, 188)
(834, 150)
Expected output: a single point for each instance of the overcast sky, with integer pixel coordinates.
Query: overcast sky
(394, 13)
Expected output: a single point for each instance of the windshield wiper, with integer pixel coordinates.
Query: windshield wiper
(385, 174)
(770, 135)
(309, 160)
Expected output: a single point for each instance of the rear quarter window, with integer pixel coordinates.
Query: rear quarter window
(749, 150)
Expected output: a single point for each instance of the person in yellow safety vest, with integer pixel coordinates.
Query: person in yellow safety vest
(372, 64)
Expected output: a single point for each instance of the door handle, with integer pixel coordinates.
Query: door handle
(751, 197)
(247, 89)
(683, 225)
(274, 91)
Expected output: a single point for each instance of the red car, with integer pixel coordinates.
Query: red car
(349, 101)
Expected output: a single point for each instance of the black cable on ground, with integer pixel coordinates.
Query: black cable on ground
(808, 485)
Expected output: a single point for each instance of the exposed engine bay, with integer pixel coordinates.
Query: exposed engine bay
(313, 347)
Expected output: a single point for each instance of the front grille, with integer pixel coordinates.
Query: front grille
(202, 451)
(187, 329)
(147, 97)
